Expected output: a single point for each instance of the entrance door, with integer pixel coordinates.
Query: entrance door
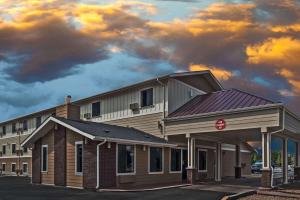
(184, 164)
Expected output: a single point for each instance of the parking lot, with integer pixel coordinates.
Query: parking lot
(12, 188)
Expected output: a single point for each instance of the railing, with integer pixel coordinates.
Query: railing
(278, 175)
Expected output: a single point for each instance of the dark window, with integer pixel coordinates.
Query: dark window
(3, 167)
(25, 150)
(25, 125)
(156, 159)
(13, 148)
(13, 167)
(96, 109)
(3, 130)
(202, 159)
(44, 158)
(25, 167)
(175, 159)
(79, 157)
(38, 122)
(3, 149)
(14, 130)
(125, 158)
(147, 97)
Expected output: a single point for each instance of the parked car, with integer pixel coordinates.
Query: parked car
(257, 167)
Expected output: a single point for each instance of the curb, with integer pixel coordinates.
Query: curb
(143, 190)
(239, 195)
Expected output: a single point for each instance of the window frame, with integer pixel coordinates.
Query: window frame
(202, 150)
(36, 121)
(117, 160)
(95, 116)
(42, 158)
(170, 161)
(11, 146)
(76, 172)
(162, 160)
(141, 97)
(25, 163)
(25, 127)
(4, 145)
(4, 130)
(11, 168)
(14, 128)
(4, 167)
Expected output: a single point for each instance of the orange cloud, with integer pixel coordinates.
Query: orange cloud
(219, 73)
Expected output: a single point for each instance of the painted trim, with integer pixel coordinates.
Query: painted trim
(163, 160)
(117, 160)
(6, 157)
(206, 158)
(78, 173)
(42, 158)
(170, 161)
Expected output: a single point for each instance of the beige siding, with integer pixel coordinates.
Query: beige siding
(242, 121)
(48, 177)
(228, 163)
(146, 123)
(179, 93)
(118, 106)
(142, 176)
(292, 124)
(72, 179)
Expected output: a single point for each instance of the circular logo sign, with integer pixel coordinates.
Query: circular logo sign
(220, 124)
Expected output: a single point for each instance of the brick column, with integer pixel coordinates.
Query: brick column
(266, 178)
(60, 156)
(191, 170)
(297, 166)
(238, 168)
(36, 163)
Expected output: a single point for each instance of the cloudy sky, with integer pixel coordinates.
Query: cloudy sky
(52, 48)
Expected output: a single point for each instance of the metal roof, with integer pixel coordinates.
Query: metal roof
(219, 101)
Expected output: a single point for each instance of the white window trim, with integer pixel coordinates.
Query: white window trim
(12, 148)
(78, 143)
(117, 161)
(140, 98)
(25, 163)
(202, 150)
(163, 160)
(15, 167)
(2, 167)
(170, 161)
(91, 106)
(44, 146)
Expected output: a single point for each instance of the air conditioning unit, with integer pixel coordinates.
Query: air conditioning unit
(134, 106)
(87, 116)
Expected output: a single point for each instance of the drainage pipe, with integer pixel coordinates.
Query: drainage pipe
(98, 162)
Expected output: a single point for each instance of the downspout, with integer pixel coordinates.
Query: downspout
(98, 162)
(164, 104)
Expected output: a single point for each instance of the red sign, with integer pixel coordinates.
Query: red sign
(220, 124)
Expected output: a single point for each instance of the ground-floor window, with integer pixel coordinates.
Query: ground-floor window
(79, 157)
(3, 167)
(202, 160)
(155, 160)
(13, 167)
(25, 168)
(126, 159)
(176, 160)
(44, 167)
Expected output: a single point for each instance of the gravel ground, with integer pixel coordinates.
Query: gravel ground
(264, 197)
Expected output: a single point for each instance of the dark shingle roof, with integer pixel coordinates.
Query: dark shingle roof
(219, 101)
(112, 131)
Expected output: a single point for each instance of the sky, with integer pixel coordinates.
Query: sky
(53, 48)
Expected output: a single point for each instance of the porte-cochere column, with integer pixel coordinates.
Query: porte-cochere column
(266, 178)
(191, 169)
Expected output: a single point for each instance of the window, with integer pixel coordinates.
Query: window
(126, 156)
(13, 167)
(38, 121)
(202, 160)
(79, 157)
(156, 159)
(147, 97)
(44, 158)
(25, 168)
(3, 149)
(3, 130)
(3, 167)
(13, 148)
(175, 160)
(25, 125)
(25, 149)
(96, 109)
(14, 129)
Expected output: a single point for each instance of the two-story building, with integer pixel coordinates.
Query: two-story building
(181, 127)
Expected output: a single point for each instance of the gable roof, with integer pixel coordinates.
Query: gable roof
(220, 101)
(100, 131)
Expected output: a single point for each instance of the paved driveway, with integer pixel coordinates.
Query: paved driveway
(12, 188)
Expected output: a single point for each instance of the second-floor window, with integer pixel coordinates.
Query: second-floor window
(25, 125)
(147, 97)
(25, 150)
(3, 149)
(13, 148)
(38, 122)
(14, 129)
(3, 130)
(96, 109)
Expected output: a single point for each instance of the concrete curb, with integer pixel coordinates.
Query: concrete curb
(239, 195)
(143, 190)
